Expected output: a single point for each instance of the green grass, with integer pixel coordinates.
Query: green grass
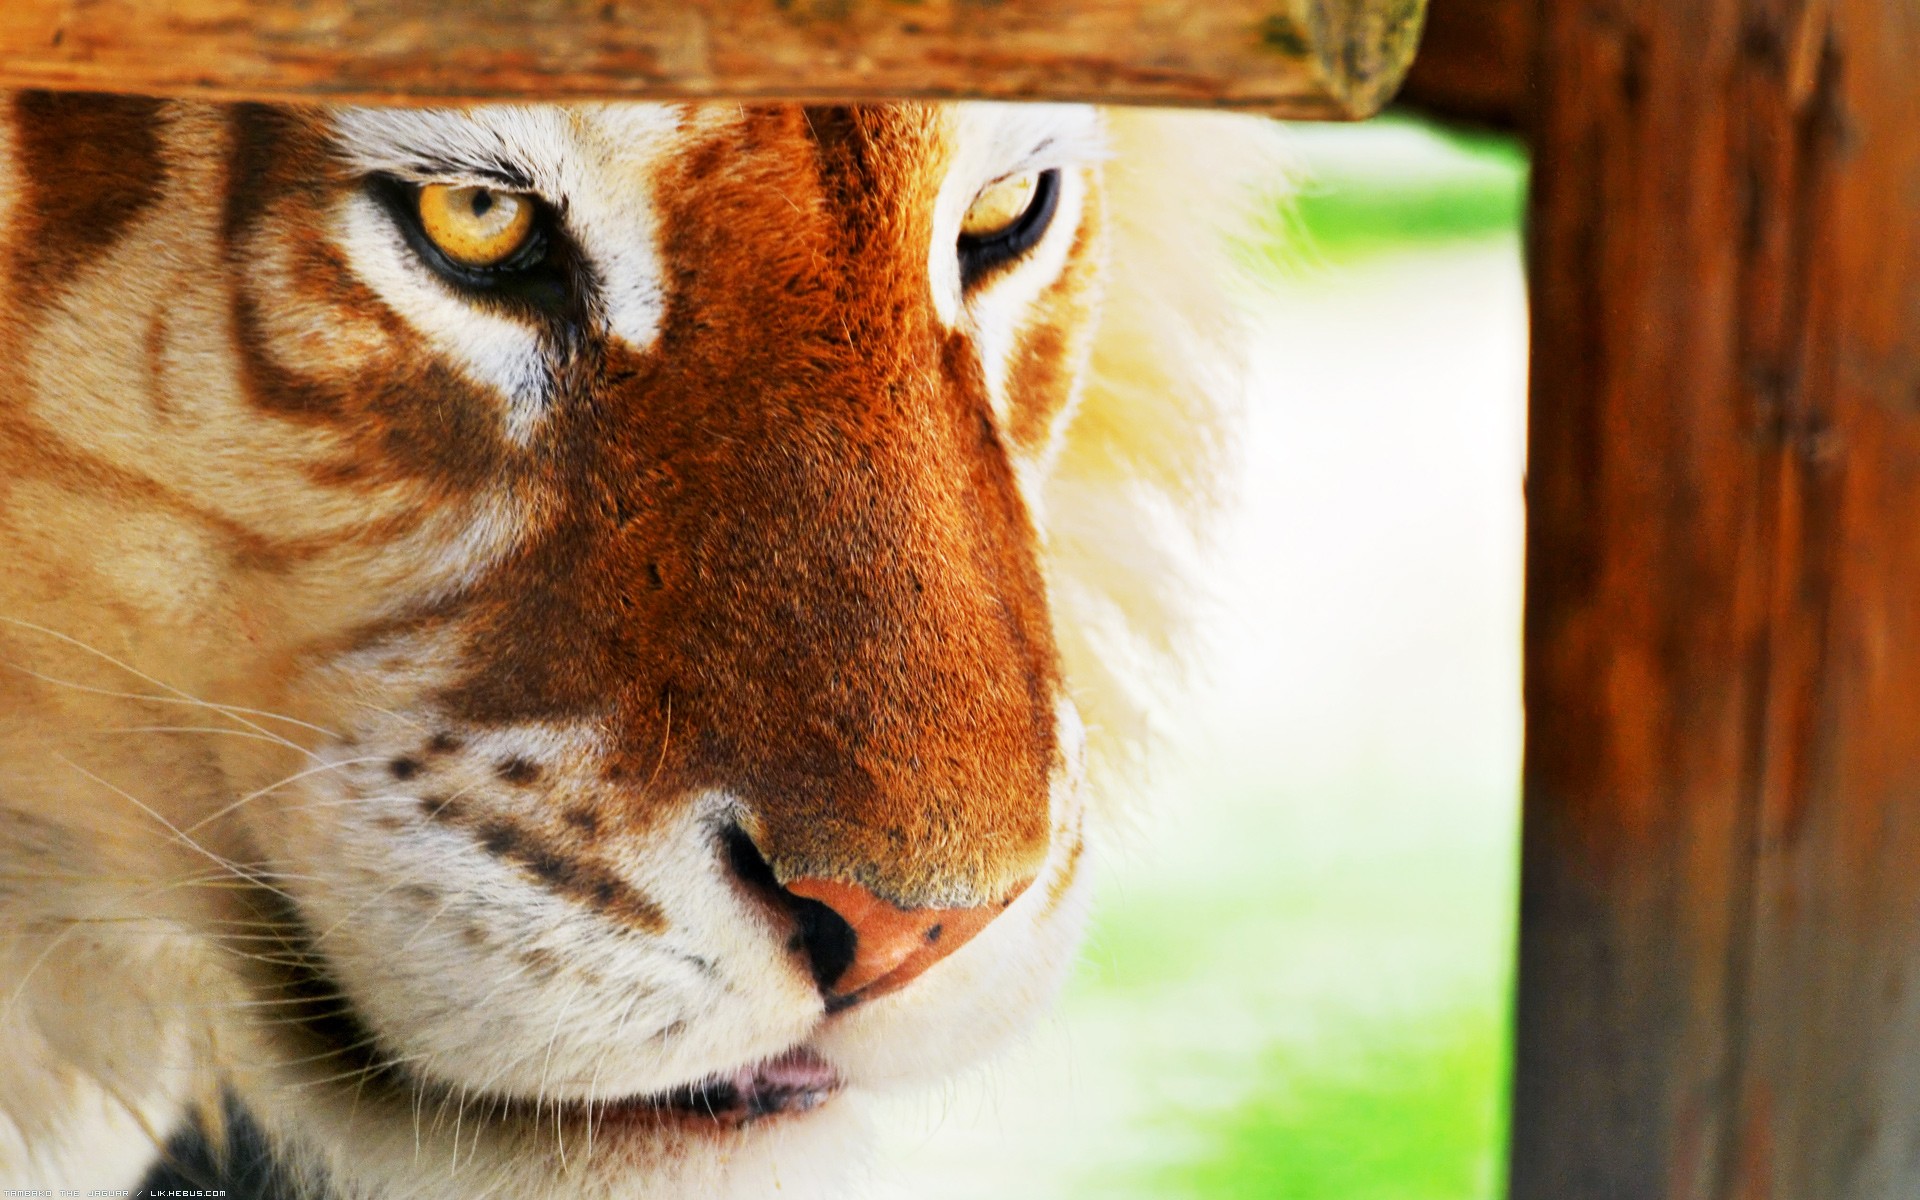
(1441, 186)
(1376, 1009)
(1418, 1117)
(1313, 1018)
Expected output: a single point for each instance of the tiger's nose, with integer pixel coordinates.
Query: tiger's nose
(861, 945)
(875, 946)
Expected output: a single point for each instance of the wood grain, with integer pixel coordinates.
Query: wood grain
(1720, 927)
(1475, 62)
(1335, 59)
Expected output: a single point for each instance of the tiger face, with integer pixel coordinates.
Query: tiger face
(531, 630)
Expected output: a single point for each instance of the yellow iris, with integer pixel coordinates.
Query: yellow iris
(1000, 205)
(476, 226)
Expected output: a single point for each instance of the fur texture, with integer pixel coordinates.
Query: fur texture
(393, 666)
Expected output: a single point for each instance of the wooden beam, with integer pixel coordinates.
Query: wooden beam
(1330, 59)
(1475, 62)
(1720, 927)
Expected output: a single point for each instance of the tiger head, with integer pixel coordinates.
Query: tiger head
(585, 583)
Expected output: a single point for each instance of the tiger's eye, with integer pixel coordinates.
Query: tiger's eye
(1000, 205)
(475, 226)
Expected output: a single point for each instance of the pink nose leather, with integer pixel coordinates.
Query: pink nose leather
(894, 945)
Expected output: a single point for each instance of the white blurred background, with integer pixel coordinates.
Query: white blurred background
(1297, 985)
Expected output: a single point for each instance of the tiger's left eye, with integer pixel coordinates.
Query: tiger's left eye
(1007, 219)
(476, 226)
(1000, 205)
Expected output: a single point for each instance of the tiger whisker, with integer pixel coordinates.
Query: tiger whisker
(363, 1071)
(426, 925)
(179, 835)
(239, 733)
(546, 1067)
(149, 698)
(272, 787)
(137, 673)
(593, 1084)
(459, 1118)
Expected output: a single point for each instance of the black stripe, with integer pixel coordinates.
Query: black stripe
(241, 1164)
(88, 165)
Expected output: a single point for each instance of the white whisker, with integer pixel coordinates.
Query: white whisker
(272, 787)
(149, 698)
(179, 835)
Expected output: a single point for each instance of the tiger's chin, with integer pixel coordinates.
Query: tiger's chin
(764, 1129)
(787, 1085)
(785, 1126)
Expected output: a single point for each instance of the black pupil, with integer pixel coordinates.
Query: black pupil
(482, 201)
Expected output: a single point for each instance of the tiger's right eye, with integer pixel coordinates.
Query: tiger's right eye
(476, 226)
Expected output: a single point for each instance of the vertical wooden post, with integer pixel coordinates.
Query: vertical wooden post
(1475, 62)
(1720, 942)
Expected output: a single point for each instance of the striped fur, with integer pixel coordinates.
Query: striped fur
(385, 661)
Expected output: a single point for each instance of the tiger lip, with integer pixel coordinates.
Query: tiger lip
(795, 1082)
(788, 1085)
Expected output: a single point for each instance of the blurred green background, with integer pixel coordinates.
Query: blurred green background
(1297, 984)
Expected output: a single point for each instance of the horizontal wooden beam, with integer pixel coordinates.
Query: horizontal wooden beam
(1318, 59)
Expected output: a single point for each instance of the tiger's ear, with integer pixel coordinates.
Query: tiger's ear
(1188, 194)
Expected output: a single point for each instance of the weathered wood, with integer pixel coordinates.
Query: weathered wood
(1475, 62)
(1720, 942)
(1297, 58)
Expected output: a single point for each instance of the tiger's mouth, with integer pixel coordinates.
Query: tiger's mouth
(791, 1083)
(795, 1082)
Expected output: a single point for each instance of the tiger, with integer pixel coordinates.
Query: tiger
(560, 651)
